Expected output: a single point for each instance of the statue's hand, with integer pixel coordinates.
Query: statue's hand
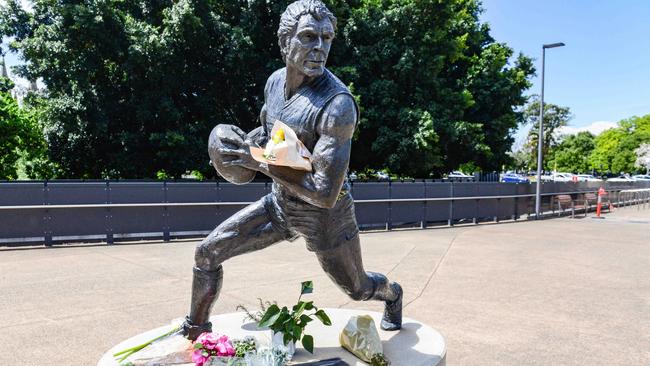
(240, 150)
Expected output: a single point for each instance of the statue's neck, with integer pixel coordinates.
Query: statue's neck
(294, 81)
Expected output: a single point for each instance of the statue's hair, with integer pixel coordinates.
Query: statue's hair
(291, 16)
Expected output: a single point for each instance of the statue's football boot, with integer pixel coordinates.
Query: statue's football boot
(392, 319)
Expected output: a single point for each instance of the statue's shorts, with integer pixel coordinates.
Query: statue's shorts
(322, 228)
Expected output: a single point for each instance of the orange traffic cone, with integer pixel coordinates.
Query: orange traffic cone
(601, 192)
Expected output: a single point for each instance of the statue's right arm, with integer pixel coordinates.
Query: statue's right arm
(330, 157)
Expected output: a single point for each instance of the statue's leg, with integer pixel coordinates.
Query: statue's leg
(343, 264)
(248, 230)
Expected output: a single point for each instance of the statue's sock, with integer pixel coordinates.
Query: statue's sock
(205, 290)
(391, 294)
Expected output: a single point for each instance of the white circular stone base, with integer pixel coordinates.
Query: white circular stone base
(416, 344)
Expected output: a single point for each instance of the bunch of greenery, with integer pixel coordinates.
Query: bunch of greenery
(256, 316)
(379, 359)
(292, 323)
(244, 346)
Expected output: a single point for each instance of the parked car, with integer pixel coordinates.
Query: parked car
(643, 177)
(621, 178)
(458, 175)
(546, 178)
(587, 178)
(513, 178)
(563, 177)
(383, 176)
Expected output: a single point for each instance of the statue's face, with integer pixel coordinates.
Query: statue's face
(309, 46)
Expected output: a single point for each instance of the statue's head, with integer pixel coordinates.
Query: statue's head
(305, 36)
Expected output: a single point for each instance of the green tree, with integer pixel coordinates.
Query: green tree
(554, 117)
(435, 89)
(615, 148)
(133, 88)
(519, 160)
(20, 135)
(572, 153)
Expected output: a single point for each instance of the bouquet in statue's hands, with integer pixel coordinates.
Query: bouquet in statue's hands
(283, 149)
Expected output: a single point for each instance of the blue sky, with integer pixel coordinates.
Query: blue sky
(603, 72)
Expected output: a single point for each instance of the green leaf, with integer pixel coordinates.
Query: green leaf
(298, 305)
(320, 314)
(284, 317)
(299, 308)
(308, 343)
(288, 328)
(307, 287)
(304, 319)
(286, 338)
(297, 332)
(198, 346)
(271, 315)
(309, 305)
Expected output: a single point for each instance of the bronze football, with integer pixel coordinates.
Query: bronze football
(218, 138)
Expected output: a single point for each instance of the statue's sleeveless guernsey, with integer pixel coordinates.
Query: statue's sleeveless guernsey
(302, 112)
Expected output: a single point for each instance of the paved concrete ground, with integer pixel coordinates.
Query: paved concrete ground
(554, 292)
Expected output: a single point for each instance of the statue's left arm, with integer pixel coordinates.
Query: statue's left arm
(330, 157)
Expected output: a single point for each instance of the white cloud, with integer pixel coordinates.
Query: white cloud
(26, 4)
(595, 128)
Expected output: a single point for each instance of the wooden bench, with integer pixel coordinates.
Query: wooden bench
(564, 202)
(591, 200)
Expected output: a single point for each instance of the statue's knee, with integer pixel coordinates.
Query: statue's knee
(212, 251)
(201, 251)
(203, 256)
(358, 295)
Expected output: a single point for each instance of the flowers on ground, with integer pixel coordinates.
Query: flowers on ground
(209, 345)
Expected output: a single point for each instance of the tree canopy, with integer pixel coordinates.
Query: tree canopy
(436, 90)
(134, 88)
(20, 134)
(555, 116)
(614, 149)
(572, 153)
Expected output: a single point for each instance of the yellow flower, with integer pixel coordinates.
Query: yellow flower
(279, 136)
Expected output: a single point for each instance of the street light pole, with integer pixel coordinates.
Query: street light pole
(540, 136)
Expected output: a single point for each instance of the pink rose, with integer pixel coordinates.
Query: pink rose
(212, 345)
(224, 347)
(208, 340)
(198, 358)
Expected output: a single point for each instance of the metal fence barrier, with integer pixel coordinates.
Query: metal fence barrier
(66, 211)
(638, 197)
